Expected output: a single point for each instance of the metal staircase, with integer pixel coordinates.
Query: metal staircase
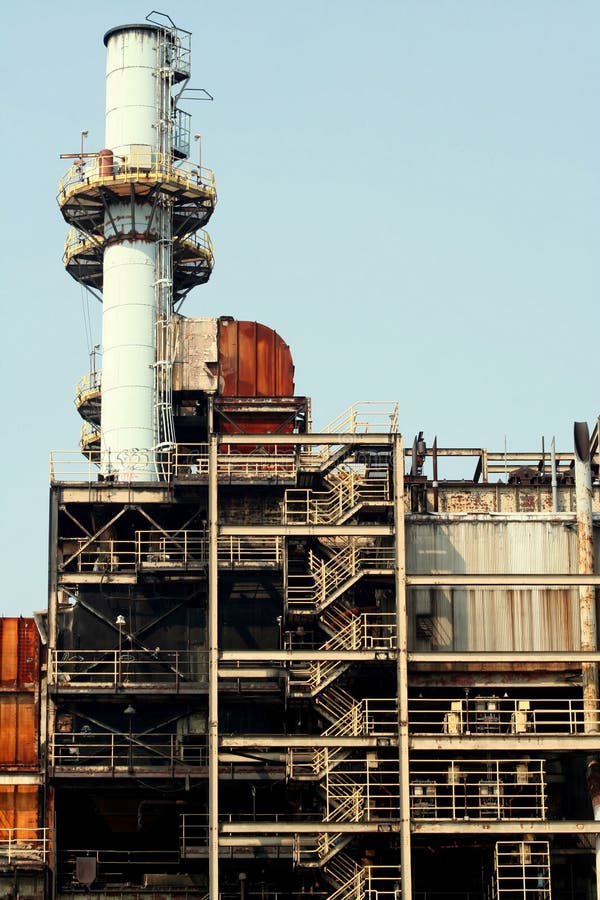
(328, 579)
(353, 882)
(372, 631)
(363, 417)
(353, 482)
(350, 491)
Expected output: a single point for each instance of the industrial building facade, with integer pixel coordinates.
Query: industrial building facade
(278, 662)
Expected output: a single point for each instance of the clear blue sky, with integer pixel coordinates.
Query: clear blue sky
(409, 192)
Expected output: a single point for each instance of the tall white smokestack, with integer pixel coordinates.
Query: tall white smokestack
(134, 126)
(135, 207)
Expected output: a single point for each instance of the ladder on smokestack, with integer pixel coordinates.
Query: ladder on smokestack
(164, 425)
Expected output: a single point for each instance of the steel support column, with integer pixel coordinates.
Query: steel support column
(402, 667)
(585, 556)
(213, 674)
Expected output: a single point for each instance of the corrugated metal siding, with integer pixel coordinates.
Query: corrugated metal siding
(19, 652)
(465, 619)
(18, 731)
(18, 807)
(479, 546)
(254, 361)
(19, 677)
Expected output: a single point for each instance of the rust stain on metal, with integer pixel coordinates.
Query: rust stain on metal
(19, 653)
(19, 807)
(254, 361)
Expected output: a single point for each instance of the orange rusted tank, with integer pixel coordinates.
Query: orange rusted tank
(256, 382)
(105, 163)
(254, 361)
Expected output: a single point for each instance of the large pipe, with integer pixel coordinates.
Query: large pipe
(593, 782)
(133, 134)
(402, 666)
(213, 670)
(585, 557)
(587, 610)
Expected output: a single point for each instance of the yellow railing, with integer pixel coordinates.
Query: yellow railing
(183, 461)
(487, 713)
(198, 244)
(116, 750)
(478, 789)
(331, 577)
(87, 386)
(89, 438)
(373, 631)
(23, 844)
(170, 550)
(108, 668)
(522, 870)
(146, 167)
(365, 417)
(335, 506)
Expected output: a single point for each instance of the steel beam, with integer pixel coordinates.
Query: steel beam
(513, 580)
(213, 673)
(532, 658)
(402, 668)
(520, 743)
(300, 740)
(304, 827)
(307, 531)
(506, 826)
(289, 656)
(312, 439)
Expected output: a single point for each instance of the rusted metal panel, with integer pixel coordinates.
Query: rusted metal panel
(254, 361)
(195, 355)
(465, 498)
(466, 619)
(481, 545)
(19, 653)
(19, 808)
(18, 731)
(462, 619)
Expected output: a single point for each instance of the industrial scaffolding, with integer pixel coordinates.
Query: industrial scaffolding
(278, 662)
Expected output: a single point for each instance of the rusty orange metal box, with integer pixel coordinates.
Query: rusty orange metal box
(19, 653)
(19, 809)
(254, 361)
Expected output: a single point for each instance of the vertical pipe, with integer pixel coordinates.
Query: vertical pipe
(553, 476)
(585, 555)
(402, 665)
(213, 673)
(436, 491)
(587, 609)
(133, 109)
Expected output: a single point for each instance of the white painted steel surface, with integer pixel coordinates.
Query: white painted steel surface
(472, 618)
(131, 114)
(129, 269)
(128, 335)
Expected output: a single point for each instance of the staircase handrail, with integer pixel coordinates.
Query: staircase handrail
(336, 504)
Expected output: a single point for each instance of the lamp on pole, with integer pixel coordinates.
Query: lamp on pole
(84, 134)
(198, 139)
